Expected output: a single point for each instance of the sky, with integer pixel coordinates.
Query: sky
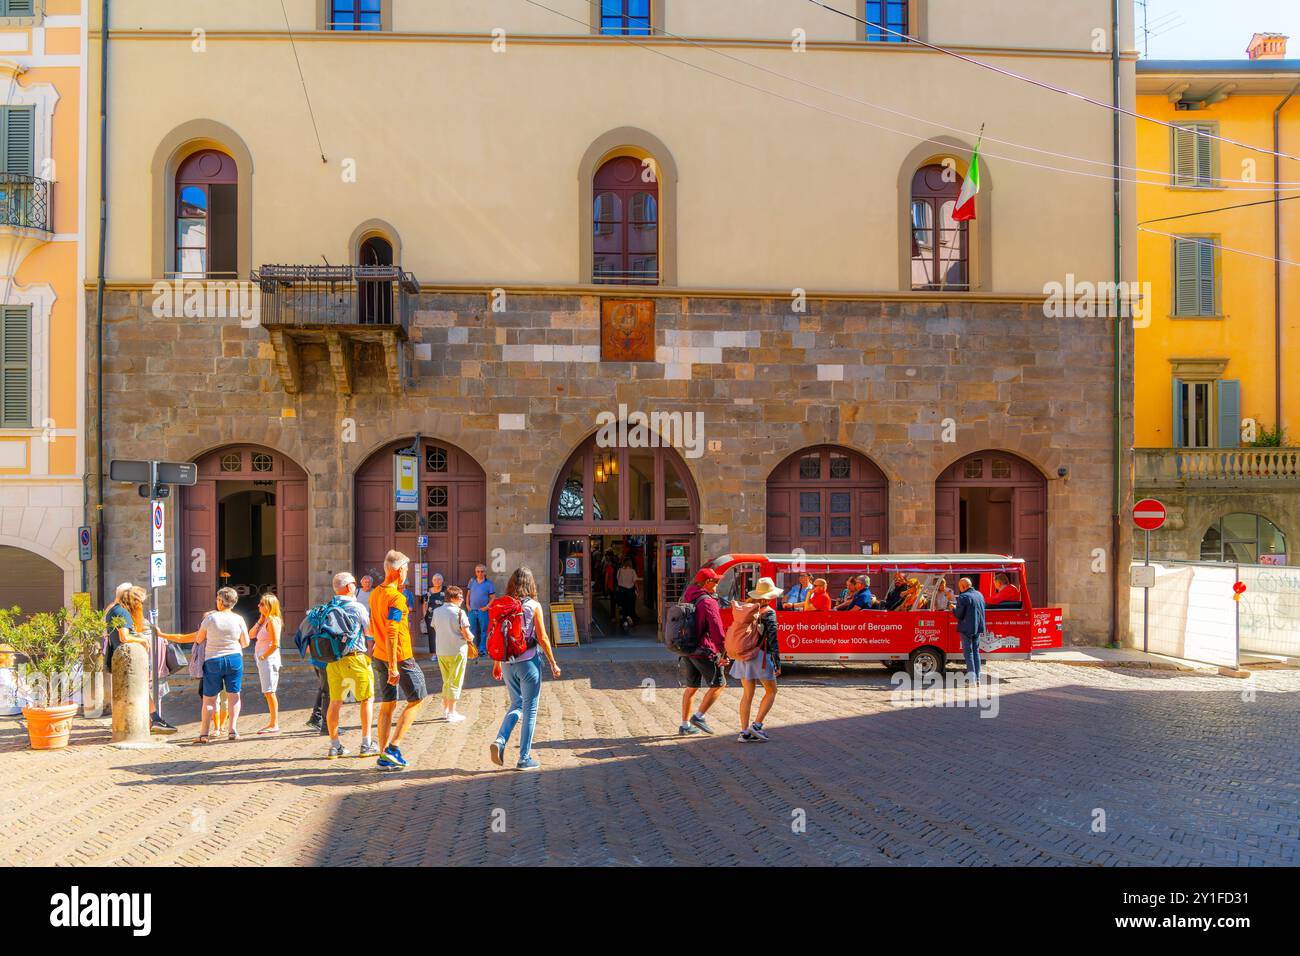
(1217, 29)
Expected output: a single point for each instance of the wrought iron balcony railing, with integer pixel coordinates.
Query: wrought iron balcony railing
(24, 201)
(336, 296)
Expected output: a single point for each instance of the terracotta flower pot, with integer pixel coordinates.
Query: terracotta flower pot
(48, 727)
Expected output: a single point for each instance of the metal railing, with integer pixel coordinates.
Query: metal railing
(24, 201)
(1216, 465)
(324, 296)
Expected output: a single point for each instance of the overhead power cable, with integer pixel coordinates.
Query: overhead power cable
(1206, 212)
(1051, 87)
(635, 41)
(1207, 242)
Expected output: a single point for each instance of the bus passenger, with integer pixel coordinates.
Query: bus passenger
(860, 597)
(1005, 594)
(895, 596)
(819, 598)
(794, 599)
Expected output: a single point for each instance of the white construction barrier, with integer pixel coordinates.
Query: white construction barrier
(1192, 614)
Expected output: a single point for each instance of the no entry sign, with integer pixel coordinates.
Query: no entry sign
(1149, 514)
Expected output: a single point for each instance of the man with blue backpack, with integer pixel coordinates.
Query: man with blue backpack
(334, 634)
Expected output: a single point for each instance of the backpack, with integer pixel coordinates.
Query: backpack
(326, 630)
(744, 635)
(510, 633)
(680, 633)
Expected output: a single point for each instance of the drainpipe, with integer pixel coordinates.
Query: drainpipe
(1277, 258)
(1117, 424)
(100, 465)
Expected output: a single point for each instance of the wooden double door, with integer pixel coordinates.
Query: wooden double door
(219, 549)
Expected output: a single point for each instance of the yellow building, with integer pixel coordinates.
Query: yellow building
(1214, 365)
(42, 374)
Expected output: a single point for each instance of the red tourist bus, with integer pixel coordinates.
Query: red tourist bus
(921, 641)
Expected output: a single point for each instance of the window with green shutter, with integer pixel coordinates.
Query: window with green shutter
(1195, 279)
(17, 139)
(16, 366)
(1194, 155)
(17, 8)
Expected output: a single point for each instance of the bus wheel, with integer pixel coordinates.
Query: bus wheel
(925, 660)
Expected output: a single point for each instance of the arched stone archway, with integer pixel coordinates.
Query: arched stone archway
(994, 502)
(244, 523)
(29, 581)
(827, 499)
(452, 511)
(610, 504)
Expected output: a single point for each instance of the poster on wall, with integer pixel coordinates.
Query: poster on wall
(564, 625)
(406, 490)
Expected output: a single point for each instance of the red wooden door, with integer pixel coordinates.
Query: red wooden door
(291, 551)
(1031, 538)
(984, 476)
(453, 496)
(200, 532)
(827, 500)
(198, 558)
(947, 519)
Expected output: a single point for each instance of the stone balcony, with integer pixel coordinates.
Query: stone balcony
(343, 308)
(1248, 469)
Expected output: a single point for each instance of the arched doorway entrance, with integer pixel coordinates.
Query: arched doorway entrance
(615, 504)
(827, 500)
(244, 524)
(29, 581)
(993, 502)
(452, 496)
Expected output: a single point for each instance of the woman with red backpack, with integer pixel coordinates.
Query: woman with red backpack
(516, 630)
(756, 658)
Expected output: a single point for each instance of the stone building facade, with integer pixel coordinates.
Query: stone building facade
(876, 376)
(575, 228)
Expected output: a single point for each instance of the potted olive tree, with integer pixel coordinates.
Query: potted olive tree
(55, 647)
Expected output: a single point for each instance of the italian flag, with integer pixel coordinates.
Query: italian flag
(970, 188)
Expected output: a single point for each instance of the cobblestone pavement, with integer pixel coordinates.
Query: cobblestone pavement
(1080, 766)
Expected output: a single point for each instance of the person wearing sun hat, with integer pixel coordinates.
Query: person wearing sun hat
(763, 668)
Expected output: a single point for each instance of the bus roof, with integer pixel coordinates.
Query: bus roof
(874, 559)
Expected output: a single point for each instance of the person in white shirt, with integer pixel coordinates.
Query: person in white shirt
(452, 640)
(224, 636)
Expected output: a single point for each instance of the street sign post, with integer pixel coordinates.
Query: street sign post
(1149, 515)
(83, 544)
(157, 521)
(154, 479)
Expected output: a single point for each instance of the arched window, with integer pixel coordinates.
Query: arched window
(1244, 538)
(206, 233)
(376, 295)
(645, 488)
(625, 222)
(940, 245)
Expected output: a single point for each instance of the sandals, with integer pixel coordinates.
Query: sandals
(268, 731)
(233, 736)
(202, 739)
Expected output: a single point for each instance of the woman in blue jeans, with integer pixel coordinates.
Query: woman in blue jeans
(523, 674)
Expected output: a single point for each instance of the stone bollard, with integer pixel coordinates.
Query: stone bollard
(131, 696)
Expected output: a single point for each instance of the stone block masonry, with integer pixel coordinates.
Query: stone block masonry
(520, 390)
